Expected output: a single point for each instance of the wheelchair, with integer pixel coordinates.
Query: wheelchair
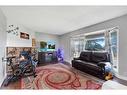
(26, 67)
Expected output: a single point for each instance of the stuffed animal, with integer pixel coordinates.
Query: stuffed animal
(109, 76)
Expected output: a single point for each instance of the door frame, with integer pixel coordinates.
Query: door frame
(116, 70)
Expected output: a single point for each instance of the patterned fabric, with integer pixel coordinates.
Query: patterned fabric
(59, 76)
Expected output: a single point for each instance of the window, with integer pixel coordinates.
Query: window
(114, 47)
(95, 42)
(77, 45)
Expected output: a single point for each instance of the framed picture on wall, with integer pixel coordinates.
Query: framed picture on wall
(24, 35)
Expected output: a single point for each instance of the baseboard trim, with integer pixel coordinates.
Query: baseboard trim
(120, 77)
(3, 80)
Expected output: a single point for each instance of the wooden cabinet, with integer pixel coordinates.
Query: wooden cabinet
(47, 57)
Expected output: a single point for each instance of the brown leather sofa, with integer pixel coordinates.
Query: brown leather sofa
(92, 62)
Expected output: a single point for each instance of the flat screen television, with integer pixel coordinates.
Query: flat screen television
(51, 45)
(47, 46)
(43, 44)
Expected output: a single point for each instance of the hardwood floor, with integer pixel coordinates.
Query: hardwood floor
(121, 81)
(13, 85)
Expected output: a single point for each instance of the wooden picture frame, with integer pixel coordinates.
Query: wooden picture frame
(24, 35)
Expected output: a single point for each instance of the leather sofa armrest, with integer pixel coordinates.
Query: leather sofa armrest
(76, 58)
(106, 67)
(102, 64)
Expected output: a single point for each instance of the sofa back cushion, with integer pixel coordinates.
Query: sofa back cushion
(85, 56)
(100, 57)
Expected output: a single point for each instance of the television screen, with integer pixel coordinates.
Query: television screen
(43, 44)
(51, 45)
(47, 46)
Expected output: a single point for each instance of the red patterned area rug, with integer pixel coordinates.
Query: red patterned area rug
(59, 76)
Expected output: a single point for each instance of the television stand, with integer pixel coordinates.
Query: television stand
(47, 57)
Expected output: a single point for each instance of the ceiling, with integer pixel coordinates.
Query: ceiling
(61, 19)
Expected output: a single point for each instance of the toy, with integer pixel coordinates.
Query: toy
(109, 76)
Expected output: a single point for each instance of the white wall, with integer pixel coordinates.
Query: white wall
(16, 41)
(121, 22)
(47, 37)
(2, 46)
(65, 45)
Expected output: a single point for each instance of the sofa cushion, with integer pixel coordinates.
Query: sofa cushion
(85, 56)
(87, 65)
(99, 57)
